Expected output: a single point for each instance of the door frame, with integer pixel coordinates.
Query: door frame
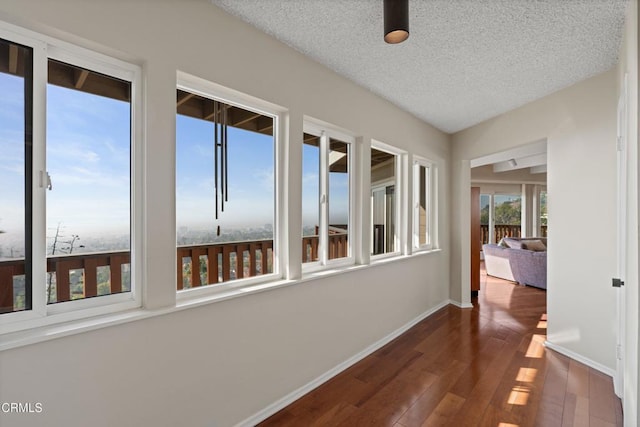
(621, 234)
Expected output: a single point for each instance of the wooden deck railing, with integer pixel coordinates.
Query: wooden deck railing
(338, 247)
(197, 265)
(59, 269)
(503, 230)
(214, 263)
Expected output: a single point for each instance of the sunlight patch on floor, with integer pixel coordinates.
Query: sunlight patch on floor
(519, 396)
(542, 324)
(536, 346)
(526, 375)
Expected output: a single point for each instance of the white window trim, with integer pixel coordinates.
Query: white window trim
(207, 89)
(326, 131)
(400, 191)
(432, 206)
(41, 314)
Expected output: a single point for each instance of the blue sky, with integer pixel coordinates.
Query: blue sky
(251, 177)
(251, 180)
(11, 157)
(338, 191)
(310, 186)
(88, 158)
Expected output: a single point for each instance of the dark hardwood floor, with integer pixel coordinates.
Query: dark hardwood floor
(485, 366)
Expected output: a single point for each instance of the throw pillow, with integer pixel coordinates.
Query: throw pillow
(513, 243)
(535, 245)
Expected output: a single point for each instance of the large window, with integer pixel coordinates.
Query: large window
(424, 200)
(225, 190)
(327, 170)
(67, 198)
(385, 200)
(89, 181)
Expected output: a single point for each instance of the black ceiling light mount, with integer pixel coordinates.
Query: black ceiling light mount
(396, 21)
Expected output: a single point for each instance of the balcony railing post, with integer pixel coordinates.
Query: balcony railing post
(212, 264)
(182, 253)
(252, 260)
(6, 288)
(115, 263)
(226, 263)
(265, 256)
(63, 289)
(195, 266)
(91, 277)
(240, 249)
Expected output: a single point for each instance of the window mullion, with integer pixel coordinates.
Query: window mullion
(324, 199)
(39, 174)
(416, 205)
(428, 207)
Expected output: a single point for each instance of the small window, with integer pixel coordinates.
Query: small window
(327, 169)
(225, 191)
(385, 206)
(424, 215)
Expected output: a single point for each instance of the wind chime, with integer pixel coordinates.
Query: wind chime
(220, 157)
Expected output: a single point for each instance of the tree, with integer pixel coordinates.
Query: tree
(543, 208)
(484, 215)
(60, 246)
(508, 213)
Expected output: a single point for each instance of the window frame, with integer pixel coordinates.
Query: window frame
(41, 313)
(431, 202)
(326, 132)
(207, 89)
(400, 216)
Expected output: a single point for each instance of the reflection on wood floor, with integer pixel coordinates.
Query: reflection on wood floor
(485, 366)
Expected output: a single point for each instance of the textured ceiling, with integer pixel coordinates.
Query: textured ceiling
(465, 60)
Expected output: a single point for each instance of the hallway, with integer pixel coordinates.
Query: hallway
(485, 366)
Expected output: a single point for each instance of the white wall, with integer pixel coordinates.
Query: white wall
(580, 126)
(629, 65)
(220, 363)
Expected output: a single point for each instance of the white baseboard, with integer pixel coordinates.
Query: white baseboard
(461, 304)
(578, 357)
(296, 394)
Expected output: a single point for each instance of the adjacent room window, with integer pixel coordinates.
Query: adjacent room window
(327, 170)
(543, 213)
(424, 199)
(67, 198)
(485, 215)
(225, 190)
(385, 202)
(507, 215)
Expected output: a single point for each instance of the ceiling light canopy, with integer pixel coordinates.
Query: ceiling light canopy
(396, 21)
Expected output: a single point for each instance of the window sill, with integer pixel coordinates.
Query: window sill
(59, 330)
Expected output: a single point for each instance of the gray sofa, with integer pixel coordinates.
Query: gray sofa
(517, 263)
